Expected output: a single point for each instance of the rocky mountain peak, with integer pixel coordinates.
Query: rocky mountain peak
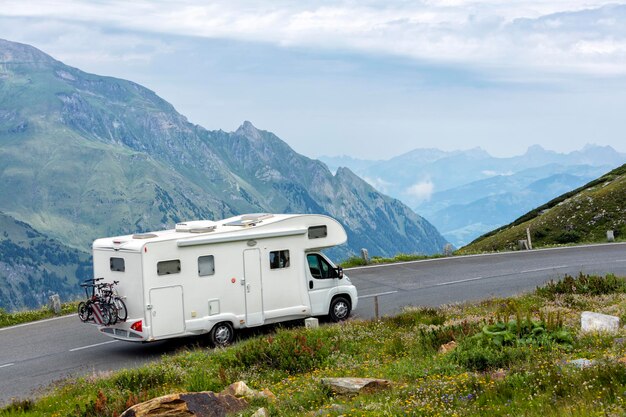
(248, 130)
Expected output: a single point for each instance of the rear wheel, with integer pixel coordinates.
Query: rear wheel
(122, 313)
(222, 334)
(339, 309)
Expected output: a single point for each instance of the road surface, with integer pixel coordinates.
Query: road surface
(34, 355)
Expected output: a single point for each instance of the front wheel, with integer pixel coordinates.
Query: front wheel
(339, 309)
(222, 334)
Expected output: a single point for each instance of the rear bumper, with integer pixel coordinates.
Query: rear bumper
(122, 331)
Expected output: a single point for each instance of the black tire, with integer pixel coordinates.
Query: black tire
(122, 312)
(222, 334)
(339, 309)
(84, 312)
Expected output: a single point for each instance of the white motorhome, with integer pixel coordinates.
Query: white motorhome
(215, 277)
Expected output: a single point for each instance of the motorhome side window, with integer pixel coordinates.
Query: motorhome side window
(279, 259)
(319, 267)
(316, 232)
(168, 267)
(206, 265)
(117, 264)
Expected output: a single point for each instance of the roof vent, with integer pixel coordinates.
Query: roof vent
(198, 226)
(144, 236)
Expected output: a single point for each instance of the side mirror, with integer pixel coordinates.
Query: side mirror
(339, 271)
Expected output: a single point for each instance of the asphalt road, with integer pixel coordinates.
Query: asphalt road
(35, 355)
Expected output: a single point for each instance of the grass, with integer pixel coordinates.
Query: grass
(19, 317)
(511, 359)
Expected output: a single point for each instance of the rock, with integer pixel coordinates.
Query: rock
(355, 385)
(581, 363)
(595, 322)
(498, 375)
(204, 404)
(261, 412)
(54, 303)
(448, 347)
(240, 389)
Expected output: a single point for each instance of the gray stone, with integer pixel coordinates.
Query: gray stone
(365, 255)
(355, 385)
(610, 236)
(581, 363)
(597, 322)
(261, 412)
(54, 303)
(311, 323)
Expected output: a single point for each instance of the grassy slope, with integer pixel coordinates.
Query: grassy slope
(582, 215)
(527, 376)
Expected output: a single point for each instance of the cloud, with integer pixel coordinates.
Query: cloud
(575, 36)
(378, 183)
(421, 191)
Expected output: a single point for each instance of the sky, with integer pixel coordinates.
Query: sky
(370, 79)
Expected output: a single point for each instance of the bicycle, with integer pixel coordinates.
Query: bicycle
(103, 304)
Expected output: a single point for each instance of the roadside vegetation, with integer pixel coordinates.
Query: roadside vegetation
(356, 261)
(513, 356)
(20, 317)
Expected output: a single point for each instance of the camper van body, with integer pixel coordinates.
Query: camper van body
(215, 277)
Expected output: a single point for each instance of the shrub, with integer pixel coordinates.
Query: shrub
(583, 284)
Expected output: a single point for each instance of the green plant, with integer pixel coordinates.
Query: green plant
(583, 284)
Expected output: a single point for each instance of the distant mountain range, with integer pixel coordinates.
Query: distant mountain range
(468, 193)
(84, 156)
(578, 216)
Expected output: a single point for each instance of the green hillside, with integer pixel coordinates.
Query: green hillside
(583, 215)
(33, 266)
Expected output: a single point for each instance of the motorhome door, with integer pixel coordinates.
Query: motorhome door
(253, 287)
(322, 278)
(167, 316)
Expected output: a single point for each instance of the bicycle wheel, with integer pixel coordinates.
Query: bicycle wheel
(122, 312)
(113, 317)
(84, 311)
(106, 313)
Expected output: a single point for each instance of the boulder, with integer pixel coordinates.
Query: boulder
(448, 347)
(204, 404)
(261, 412)
(355, 385)
(596, 322)
(581, 363)
(240, 389)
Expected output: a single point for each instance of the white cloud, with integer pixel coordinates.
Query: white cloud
(378, 183)
(421, 191)
(552, 35)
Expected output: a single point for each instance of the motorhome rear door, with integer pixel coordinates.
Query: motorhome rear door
(166, 311)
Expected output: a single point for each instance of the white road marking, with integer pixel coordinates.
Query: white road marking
(459, 281)
(544, 269)
(94, 345)
(377, 295)
(37, 322)
(6, 365)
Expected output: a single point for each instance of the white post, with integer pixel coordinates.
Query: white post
(530, 243)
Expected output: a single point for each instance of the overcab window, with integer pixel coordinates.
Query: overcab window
(316, 232)
(279, 259)
(168, 267)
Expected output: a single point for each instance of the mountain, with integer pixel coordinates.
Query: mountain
(581, 215)
(33, 266)
(467, 193)
(84, 156)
